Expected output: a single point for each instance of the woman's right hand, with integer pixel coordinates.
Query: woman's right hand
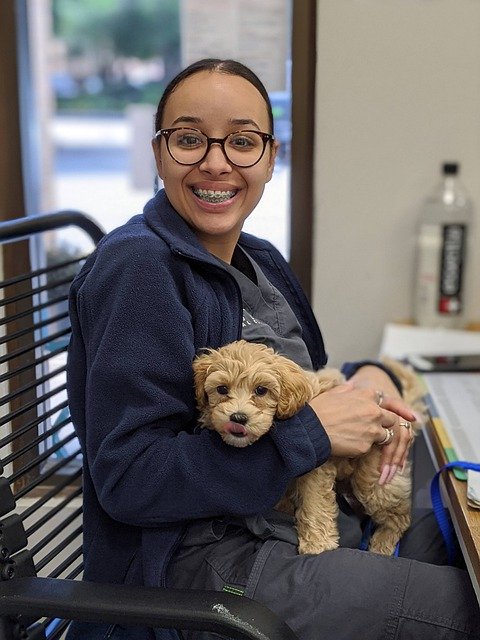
(353, 420)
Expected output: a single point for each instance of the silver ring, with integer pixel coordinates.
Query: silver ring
(380, 397)
(388, 437)
(406, 424)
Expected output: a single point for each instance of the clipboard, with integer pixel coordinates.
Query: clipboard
(453, 400)
(401, 341)
(445, 442)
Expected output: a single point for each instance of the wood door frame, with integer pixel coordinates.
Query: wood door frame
(303, 127)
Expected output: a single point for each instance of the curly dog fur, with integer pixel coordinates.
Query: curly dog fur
(243, 387)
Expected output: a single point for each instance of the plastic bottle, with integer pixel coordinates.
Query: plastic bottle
(442, 238)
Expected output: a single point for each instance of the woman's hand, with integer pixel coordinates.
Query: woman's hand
(354, 421)
(394, 455)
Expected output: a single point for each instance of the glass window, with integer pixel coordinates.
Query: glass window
(105, 66)
(98, 69)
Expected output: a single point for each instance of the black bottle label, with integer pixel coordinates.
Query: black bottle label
(451, 269)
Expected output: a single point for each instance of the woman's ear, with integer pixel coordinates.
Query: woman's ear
(295, 390)
(201, 366)
(156, 146)
(271, 162)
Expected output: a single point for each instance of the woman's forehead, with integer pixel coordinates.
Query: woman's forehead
(208, 95)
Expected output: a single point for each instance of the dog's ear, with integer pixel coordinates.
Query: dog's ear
(295, 391)
(201, 366)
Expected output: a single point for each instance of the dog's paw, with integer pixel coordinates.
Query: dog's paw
(384, 545)
(315, 547)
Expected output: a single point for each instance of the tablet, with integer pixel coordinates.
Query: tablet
(445, 363)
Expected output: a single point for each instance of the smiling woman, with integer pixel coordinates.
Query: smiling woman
(214, 175)
(169, 503)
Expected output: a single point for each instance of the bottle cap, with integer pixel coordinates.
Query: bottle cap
(450, 168)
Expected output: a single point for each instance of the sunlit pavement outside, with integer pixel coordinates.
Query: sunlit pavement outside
(93, 175)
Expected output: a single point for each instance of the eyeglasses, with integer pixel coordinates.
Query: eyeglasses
(190, 146)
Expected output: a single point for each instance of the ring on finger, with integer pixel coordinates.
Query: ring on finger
(388, 437)
(408, 427)
(380, 397)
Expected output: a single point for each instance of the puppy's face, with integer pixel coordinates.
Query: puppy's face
(243, 386)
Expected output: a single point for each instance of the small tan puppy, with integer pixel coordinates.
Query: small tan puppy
(243, 387)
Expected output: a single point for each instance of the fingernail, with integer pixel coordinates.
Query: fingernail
(393, 471)
(384, 474)
(402, 470)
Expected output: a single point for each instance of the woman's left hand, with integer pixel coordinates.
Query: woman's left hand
(395, 453)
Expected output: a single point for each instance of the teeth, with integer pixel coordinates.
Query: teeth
(213, 196)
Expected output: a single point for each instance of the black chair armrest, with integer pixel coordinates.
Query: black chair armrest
(223, 613)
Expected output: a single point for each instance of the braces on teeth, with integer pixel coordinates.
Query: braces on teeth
(213, 196)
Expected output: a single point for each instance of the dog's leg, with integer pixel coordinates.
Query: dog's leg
(316, 510)
(389, 505)
(391, 524)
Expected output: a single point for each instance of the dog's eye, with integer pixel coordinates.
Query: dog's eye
(261, 391)
(222, 390)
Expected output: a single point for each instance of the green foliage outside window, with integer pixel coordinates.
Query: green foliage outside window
(101, 34)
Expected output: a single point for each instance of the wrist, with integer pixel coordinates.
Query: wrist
(349, 369)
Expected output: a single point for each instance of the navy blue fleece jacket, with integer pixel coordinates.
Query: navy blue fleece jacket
(147, 300)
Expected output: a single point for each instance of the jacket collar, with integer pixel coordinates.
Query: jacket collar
(164, 220)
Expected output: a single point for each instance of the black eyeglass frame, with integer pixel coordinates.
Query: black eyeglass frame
(166, 133)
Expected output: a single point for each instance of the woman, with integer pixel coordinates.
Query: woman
(169, 504)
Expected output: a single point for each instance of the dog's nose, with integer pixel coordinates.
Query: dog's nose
(239, 418)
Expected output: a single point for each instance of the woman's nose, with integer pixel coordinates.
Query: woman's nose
(216, 161)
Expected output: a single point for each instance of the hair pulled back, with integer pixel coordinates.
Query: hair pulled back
(229, 67)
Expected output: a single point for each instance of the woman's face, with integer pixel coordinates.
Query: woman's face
(216, 104)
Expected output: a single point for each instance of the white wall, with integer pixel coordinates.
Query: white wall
(398, 92)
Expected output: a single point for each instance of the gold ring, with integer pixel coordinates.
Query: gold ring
(388, 437)
(380, 397)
